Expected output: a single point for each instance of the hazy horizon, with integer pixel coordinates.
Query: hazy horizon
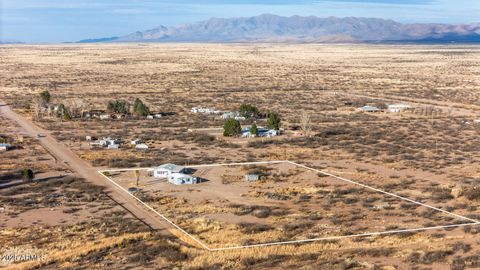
(53, 21)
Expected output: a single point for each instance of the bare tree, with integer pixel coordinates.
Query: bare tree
(37, 107)
(305, 122)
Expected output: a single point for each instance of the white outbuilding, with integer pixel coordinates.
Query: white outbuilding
(181, 179)
(396, 108)
(141, 146)
(5, 147)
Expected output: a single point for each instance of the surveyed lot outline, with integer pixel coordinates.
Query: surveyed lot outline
(469, 221)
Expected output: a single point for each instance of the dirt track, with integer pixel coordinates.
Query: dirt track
(64, 155)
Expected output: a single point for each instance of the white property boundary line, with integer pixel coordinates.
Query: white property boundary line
(471, 223)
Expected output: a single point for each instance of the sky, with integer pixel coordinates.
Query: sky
(69, 20)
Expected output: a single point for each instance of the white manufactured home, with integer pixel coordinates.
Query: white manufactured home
(163, 171)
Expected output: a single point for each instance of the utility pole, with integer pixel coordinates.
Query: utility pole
(137, 175)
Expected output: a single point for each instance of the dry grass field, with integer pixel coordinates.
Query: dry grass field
(428, 154)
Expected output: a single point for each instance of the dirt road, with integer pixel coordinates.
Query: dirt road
(64, 155)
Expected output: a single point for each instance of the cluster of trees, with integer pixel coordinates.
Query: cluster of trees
(42, 106)
(249, 111)
(63, 113)
(232, 126)
(123, 106)
(118, 106)
(75, 107)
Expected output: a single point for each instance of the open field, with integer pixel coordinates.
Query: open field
(428, 153)
(224, 211)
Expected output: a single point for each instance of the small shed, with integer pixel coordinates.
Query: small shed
(181, 179)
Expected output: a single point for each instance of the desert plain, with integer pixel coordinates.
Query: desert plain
(428, 153)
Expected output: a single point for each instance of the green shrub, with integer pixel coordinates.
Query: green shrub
(27, 175)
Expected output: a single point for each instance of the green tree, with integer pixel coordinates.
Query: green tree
(45, 97)
(27, 175)
(231, 127)
(248, 111)
(118, 106)
(274, 121)
(63, 113)
(140, 108)
(136, 103)
(254, 129)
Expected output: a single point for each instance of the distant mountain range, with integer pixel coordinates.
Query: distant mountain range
(297, 29)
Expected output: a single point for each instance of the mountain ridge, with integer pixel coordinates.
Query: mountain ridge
(299, 29)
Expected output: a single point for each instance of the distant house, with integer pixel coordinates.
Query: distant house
(5, 147)
(181, 179)
(262, 132)
(396, 108)
(106, 142)
(163, 171)
(228, 115)
(141, 146)
(135, 142)
(93, 113)
(113, 146)
(252, 177)
(117, 116)
(370, 109)
(105, 116)
(205, 110)
(158, 115)
(90, 138)
(150, 117)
